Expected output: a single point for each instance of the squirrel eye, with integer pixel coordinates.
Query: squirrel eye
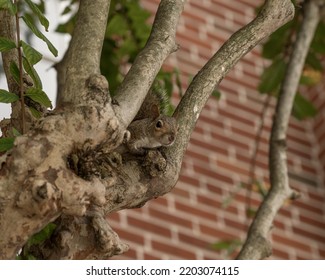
(159, 124)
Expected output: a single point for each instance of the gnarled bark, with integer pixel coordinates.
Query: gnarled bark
(65, 169)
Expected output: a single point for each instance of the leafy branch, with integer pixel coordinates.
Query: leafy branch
(24, 83)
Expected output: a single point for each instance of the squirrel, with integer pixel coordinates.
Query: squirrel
(151, 127)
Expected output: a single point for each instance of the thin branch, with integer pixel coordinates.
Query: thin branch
(257, 246)
(7, 30)
(252, 167)
(148, 62)
(274, 14)
(20, 65)
(85, 48)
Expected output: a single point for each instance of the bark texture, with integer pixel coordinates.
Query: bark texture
(66, 169)
(257, 245)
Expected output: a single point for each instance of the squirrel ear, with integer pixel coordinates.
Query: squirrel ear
(155, 111)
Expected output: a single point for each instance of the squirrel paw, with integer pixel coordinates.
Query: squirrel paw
(126, 136)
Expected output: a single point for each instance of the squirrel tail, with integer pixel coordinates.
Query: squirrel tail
(156, 97)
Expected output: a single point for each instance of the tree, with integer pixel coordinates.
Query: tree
(64, 172)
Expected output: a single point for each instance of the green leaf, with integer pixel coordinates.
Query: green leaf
(6, 44)
(43, 235)
(139, 17)
(67, 27)
(32, 55)
(43, 20)
(117, 26)
(39, 34)
(272, 76)
(36, 114)
(14, 71)
(277, 41)
(216, 93)
(39, 96)
(6, 143)
(313, 61)
(261, 188)
(318, 43)
(8, 5)
(226, 244)
(129, 46)
(251, 212)
(303, 108)
(8, 97)
(15, 132)
(32, 73)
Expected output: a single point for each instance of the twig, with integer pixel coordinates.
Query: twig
(20, 65)
(254, 157)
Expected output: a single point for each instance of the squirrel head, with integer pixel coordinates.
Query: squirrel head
(164, 130)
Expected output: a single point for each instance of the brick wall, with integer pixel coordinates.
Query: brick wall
(208, 204)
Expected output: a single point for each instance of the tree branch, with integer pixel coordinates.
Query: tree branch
(148, 62)
(273, 14)
(8, 30)
(83, 55)
(257, 246)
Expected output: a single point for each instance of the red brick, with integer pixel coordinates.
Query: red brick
(189, 179)
(245, 108)
(130, 236)
(214, 122)
(180, 192)
(150, 227)
(317, 196)
(308, 207)
(322, 253)
(162, 201)
(213, 174)
(214, 188)
(198, 242)
(249, 134)
(312, 221)
(242, 197)
(245, 158)
(114, 216)
(289, 241)
(279, 225)
(233, 167)
(285, 212)
(236, 224)
(296, 152)
(199, 156)
(173, 250)
(279, 254)
(208, 146)
(195, 211)
(169, 218)
(233, 116)
(218, 234)
(236, 7)
(150, 257)
(309, 168)
(312, 234)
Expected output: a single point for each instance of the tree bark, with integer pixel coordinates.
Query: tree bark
(257, 245)
(66, 170)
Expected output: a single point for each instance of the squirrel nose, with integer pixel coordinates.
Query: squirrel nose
(171, 138)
